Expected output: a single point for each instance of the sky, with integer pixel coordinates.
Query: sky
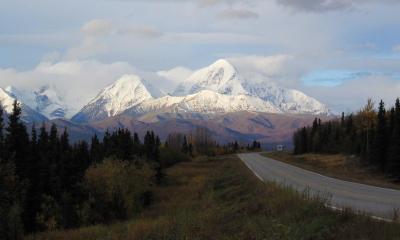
(339, 51)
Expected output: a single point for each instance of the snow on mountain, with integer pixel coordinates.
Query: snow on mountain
(46, 100)
(6, 101)
(125, 93)
(219, 88)
(288, 100)
(28, 114)
(222, 77)
(206, 102)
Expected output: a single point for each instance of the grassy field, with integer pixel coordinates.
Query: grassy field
(219, 198)
(337, 166)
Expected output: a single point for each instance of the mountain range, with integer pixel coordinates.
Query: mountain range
(205, 95)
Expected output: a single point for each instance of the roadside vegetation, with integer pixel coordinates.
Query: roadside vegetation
(341, 166)
(219, 198)
(372, 135)
(122, 187)
(48, 183)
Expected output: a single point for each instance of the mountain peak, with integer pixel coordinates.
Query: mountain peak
(45, 100)
(28, 114)
(127, 81)
(6, 100)
(222, 63)
(126, 92)
(221, 77)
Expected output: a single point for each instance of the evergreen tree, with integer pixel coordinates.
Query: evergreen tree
(11, 226)
(17, 142)
(380, 143)
(393, 157)
(136, 144)
(342, 120)
(17, 151)
(236, 146)
(185, 146)
(95, 150)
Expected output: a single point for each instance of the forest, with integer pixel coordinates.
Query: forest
(49, 183)
(372, 134)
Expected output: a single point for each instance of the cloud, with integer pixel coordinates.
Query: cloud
(327, 5)
(89, 47)
(316, 5)
(268, 65)
(141, 32)
(237, 14)
(213, 38)
(208, 3)
(98, 36)
(78, 81)
(97, 27)
(353, 94)
(175, 76)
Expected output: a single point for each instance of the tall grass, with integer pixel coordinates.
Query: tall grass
(219, 198)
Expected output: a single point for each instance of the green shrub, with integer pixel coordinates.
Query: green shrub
(116, 190)
(49, 216)
(169, 157)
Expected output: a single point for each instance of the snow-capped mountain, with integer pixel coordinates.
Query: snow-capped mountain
(28, 114)
(205, 102)
(218, 88)
(129, 95)
(219, 77)
(46, 100)
(223, 77)
(125, 93)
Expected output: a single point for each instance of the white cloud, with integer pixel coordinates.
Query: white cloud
(231, 13)
(174, 76)
(328, 5)
(97, 27)
(89, 47)
(269, 65)
(353, 94)
(141, 32)
(280, 68)
(79, 81)
(213, 38)
(101, 36)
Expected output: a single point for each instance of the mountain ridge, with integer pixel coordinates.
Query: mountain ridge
(218, 88)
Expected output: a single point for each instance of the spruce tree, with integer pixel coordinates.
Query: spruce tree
(380, 143)
(185, 146)
(393, 157)
(17, 141)
(95, 150)
(17, 151)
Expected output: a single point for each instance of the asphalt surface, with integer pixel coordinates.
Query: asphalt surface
(375, 201)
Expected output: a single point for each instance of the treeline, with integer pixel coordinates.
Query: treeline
(372, 134)
(235, 147)
(47, 183)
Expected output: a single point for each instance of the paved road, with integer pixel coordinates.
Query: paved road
(379, 202)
